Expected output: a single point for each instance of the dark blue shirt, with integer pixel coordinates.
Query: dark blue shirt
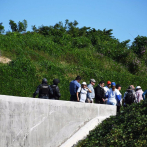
(74, 85)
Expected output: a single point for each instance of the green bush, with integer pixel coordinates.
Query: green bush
(128, 128)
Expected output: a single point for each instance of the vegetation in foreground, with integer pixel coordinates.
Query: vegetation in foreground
(128, 128)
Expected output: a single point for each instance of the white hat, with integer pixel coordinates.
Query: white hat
(84, 83)
(138, 87)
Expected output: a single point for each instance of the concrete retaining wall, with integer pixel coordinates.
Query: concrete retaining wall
(28, 122)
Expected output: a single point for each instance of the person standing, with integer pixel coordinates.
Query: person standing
(56, 92)
(44, 90)
(100, 93)
(74, 85)
(91, 95)
(129, 96)
(113, 95)
(82, 92)
(139, 93)
(119, 103)
(106, 88)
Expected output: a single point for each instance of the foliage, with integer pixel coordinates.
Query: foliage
(128, 128)
(64, 51)
(1, 28)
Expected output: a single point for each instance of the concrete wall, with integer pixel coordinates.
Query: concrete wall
(28, 122)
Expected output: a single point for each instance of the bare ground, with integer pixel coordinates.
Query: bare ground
(4, 59)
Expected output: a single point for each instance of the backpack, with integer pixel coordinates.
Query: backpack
(129, 98)
(44, 90)
(54, 92)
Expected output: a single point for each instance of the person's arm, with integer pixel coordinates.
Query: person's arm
(58, 92)
(36, 92)
(89, 94)
(78, 91)
(143, 95)
(118, 97)
(89, 90)
(50, 90)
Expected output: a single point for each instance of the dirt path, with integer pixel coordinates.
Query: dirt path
(4, 59)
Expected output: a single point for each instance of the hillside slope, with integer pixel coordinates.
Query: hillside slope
(65, 53)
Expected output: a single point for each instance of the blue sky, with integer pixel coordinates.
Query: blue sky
(127, 18)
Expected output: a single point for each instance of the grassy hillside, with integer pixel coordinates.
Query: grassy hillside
(63, 53)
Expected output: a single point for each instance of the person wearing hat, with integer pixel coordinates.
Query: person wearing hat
(44, 90)
(82, 92)
(139, 93)
(100, 93)
(129, 96)
(74, 85)
(113, 95)
(91, 95)
(118, 87)
(106, 88)
(56, 92)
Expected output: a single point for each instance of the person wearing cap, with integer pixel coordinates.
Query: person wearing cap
(74, 85)
(106, 88)
(44, 90)
(130, 93)
(139, 93)
(82, 92)
(56, 92)
(113, 95)
(91, 95)
(100, 93)
(118, 87)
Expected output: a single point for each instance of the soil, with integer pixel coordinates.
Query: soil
(4, 59)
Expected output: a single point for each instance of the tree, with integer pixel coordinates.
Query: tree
(13, 26)
(139, 45)
(34, 28)
(1, 28)
(22, 26)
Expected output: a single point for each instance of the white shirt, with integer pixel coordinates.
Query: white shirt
(112, 95)
(106, 90)
(83, 94)
(118, 93)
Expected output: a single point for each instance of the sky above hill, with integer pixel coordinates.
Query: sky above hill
(127, 18)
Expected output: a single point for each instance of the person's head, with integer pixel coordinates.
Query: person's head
(131, 87)
(118, 86)
(137, 88)
(102, 83)
(84, 85)
(56, 81)
(92, 81)
(109, 84)
(44, 81)
(113, 85)
(78, 78)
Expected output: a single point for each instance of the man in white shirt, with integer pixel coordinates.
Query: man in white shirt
(106, 88)
(91, 96)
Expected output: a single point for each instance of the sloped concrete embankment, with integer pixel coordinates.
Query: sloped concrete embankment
(29, 122)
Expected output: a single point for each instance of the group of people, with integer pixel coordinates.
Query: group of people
(46, 91)
(84, 93)
(101, 94)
